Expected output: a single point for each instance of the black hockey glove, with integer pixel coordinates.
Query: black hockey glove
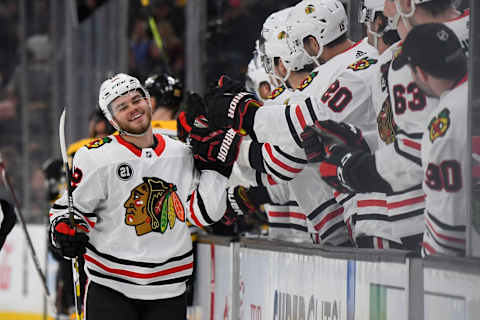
(228, 107)
(69, 242)
(194, 109)
(241, 200)
(215, 150)
(335, 145)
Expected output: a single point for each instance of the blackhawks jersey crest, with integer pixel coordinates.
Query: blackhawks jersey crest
(153, 206)
(98, 143)
(276, 92)
(439, 125)
(385, 123)
(306, 82)
(362, 64)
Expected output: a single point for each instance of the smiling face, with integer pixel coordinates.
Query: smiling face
(131, 112)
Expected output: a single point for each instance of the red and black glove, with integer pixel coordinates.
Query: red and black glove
(215, 149)
(69, 241)
(346, 163)
(230, 106)
(187, 119)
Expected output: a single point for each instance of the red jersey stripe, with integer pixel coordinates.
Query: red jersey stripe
(278, 162)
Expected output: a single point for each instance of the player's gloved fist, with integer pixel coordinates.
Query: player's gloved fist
(336, 166)
(229, 108)
(312, 144)
(194, 109)
(70, 242)
(215, 149)
(240, 201)
(341, 133)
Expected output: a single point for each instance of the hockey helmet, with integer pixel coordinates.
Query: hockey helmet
(368, 10)
(166, 89)
(115, 87)
(329, 16)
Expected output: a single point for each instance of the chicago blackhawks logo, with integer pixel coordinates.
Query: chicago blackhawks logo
(310, 9)
(362, 64)
(153, 206)
(276, 92)
(282, 35)
(439, 125)
(385, 123)
(98, 143)
(306, 82)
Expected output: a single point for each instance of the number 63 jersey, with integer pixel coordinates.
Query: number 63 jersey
(444, 163)
(136, 202)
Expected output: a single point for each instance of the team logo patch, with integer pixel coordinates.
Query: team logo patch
(362, 64)
(98, 143)
(281, 35)
(76, 178)
(124, 171)
(276, 92)
(153, 206)
(439, 125)
(306, 82)
(385, 123)
(310, 9)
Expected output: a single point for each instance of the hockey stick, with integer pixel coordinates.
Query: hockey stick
(75, 271)
(156, 34)
(8, 184)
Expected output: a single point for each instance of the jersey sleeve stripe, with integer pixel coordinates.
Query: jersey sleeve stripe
(371, 203)
(291, 127)
(192, 213)
(289, 157)
(308, 102)
(445, 226)
(275, 160)
(439, 235)
(277, 174)
(300, 117)
(407, 202)
(296, 215)
(441, 247)
(414, 158)
(412, 144)
(321, 208)
(270, 180)
(203, 211)
(329, 216)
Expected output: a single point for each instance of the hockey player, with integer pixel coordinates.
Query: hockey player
(395, 168)
(166, 94)
(132, 196)
(439, 67)
(7, 220)
(257, 79)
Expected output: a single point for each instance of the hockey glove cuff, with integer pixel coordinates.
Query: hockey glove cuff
(69, 241)
(241, 200)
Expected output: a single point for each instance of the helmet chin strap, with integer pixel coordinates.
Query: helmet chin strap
(405, 15)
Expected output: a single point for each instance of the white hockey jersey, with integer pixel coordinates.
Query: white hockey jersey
(136, 202)
(399, 162)
(444, 161)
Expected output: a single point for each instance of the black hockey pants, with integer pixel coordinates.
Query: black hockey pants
(104, 303)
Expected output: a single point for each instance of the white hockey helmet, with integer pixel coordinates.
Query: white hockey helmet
(298, 31)
(274, 21)
(412, 11)
(256, 74)
(293, 58)
(116, 86)
(329, 15)
(369, 8)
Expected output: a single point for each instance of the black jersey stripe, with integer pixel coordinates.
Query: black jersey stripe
(407, 215)
(137, 263)
(406, 155)
(347, 198)
(291, 127)
(321, 208)
(203, 211)
(86, 214)
(444, 226)
(416, 135)
(288, 203)
(277, 174)
(370, 216)
(308, 102)
(156, 283)
(417, 187)
(461, 251)
(288, 156)
(332, 229)
(287, 226)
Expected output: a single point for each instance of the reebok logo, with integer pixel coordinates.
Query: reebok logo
(234, 102)
(226, 143)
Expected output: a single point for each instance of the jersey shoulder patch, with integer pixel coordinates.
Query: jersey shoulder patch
(439, 125)
(306, 82)
(362, 64)
(276, 92)
(98, 143)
